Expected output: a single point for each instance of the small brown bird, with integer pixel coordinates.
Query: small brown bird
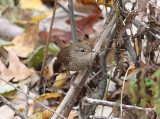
(76, 57)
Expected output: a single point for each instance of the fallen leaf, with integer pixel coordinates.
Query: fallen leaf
(72, 114)
(87, 6)
(47, 114)
(4, 43)
(5, 109)
(25, 43)
(37, 19)
(5, 88)
(85, 25)
(86, 1)
(142, 5)
(31, 4)
(60, 79)
(7, 3)
(48, 95)
(19, 16)
(128, 25)
(107, 3)
(8, 31)
(36, 58)
(61, 34)
(16, 69)
(37, 115)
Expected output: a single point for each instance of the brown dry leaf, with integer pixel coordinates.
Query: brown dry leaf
(72, 114)
(142, 5)
(3, 110)
(61, 34)
(128, 24)
(48, 95)
(47, 114)
(16, 69)
(85, 25)
(60, 79)
(37, 115)
(47, 73)
(107, 3)
(87, 6)
(86, 1)
(24, 43)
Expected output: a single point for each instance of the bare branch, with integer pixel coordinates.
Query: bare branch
(71, 16)
(27, 98)
(47, 44)
(112, 104)
(12, 107)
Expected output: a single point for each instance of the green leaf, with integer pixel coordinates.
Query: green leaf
(36, 58)
(122, 77)
(156, 74)
(148, 82)
(132, 82)
(4, 43)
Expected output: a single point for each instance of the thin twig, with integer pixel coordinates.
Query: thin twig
(123, 90)
(27, 98)
(103, 117)
(71, 16)
(113, 104)
(67, 11)
(47, 43)
(33, 98)
(157, 56)
(12, 107)
(62, 7)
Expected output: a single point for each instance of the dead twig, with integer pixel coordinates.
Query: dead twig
(12, 107)
(27, 98)
(32, 98)
(47, 43)
(123, 90)
(71, 17)
(113, 104)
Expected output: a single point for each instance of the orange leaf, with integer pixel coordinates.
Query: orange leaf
(136, 46)
(86, 1)
(107, 3)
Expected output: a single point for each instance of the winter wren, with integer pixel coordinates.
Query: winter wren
(76, 57)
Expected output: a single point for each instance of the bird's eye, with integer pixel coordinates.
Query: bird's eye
(82, 50)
